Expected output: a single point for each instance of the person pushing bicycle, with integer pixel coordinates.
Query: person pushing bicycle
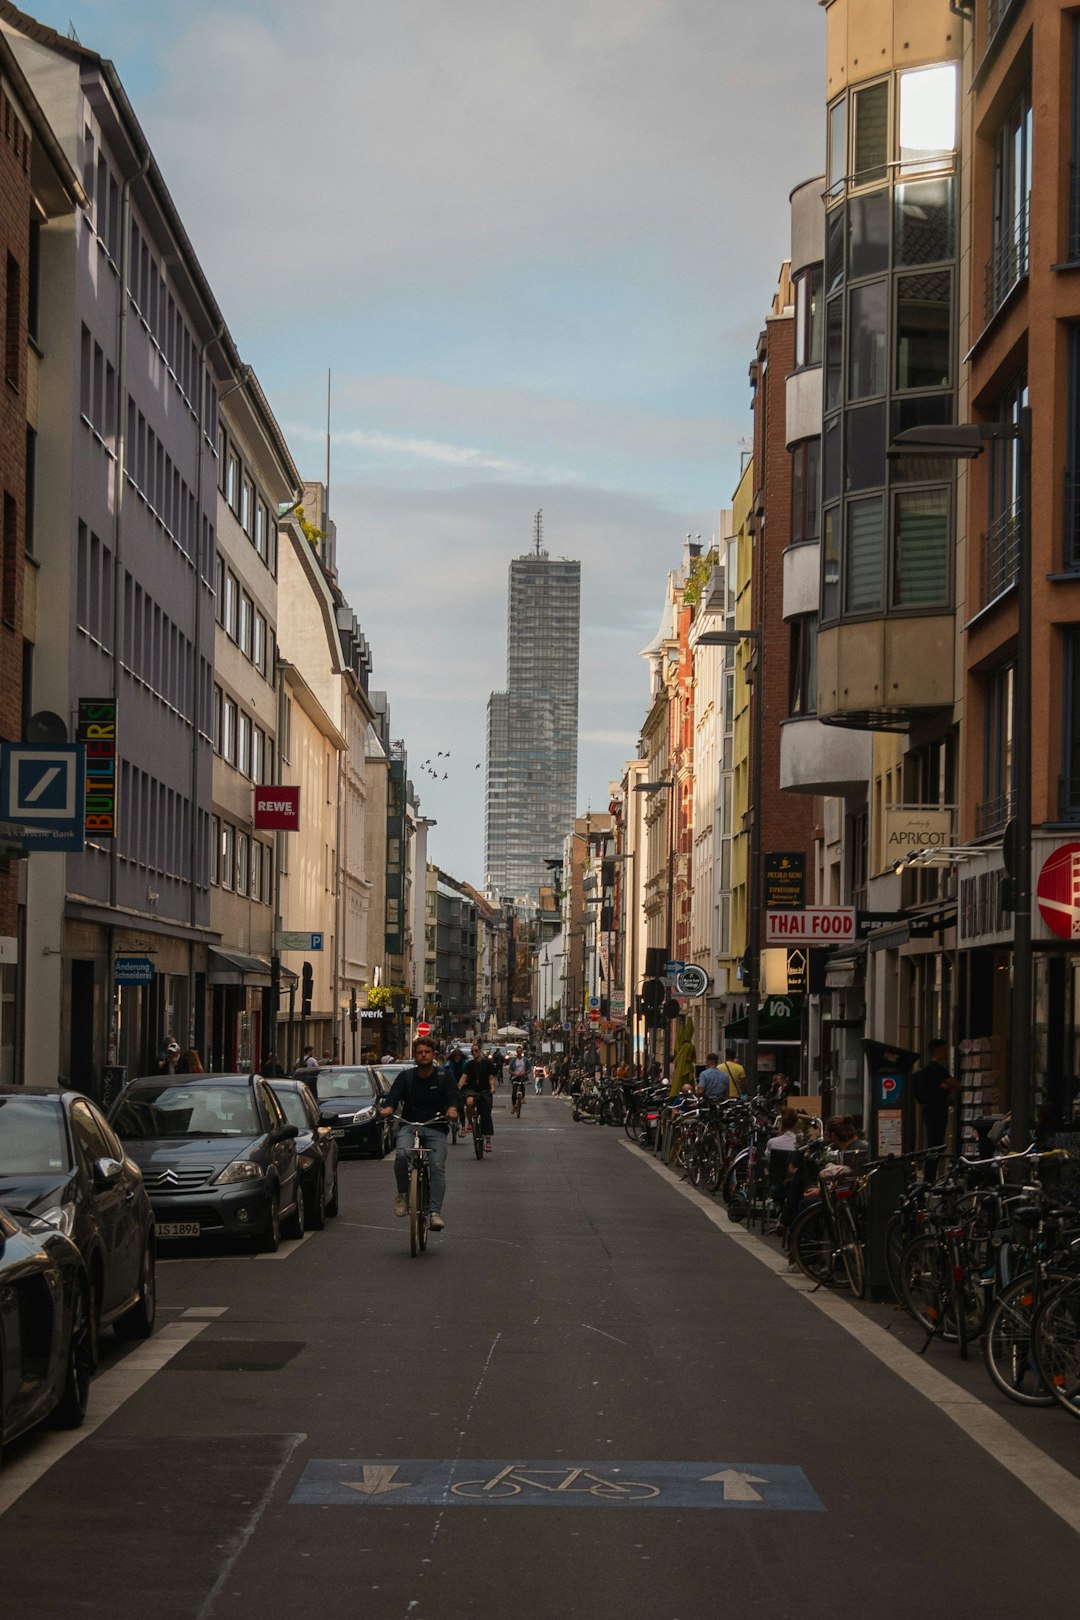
(477, 1085)
(424, 1093)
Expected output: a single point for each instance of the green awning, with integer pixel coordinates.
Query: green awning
(780, 1019)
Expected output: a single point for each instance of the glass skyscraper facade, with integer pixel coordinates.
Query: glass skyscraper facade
(532, 728)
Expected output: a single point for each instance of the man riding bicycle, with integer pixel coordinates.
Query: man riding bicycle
(477, 1086)
(424, 1092)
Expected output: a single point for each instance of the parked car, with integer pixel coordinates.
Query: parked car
(316, 1148)
(349, 1101)
(62, 1165)
(45, 1343)
(217, 1154)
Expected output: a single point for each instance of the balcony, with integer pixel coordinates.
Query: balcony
(999, 556)
(1007, 265)
(992, 815)
(819, 759)
(884, 673)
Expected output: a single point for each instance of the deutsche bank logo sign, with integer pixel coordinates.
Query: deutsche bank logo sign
(42, 790)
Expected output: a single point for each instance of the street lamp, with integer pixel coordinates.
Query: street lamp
(666, 784)
(756, 681)
(964, 443)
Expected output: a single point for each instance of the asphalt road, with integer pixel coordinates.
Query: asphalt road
(591, 1397)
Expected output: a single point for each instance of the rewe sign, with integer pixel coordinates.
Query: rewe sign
(814, 925)
(277, 809)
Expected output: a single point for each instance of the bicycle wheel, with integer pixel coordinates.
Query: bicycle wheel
(415, 1216)
(478, 1135)
(922, 1284)
(1055, 1340)
(811, 1244)
(851, 1250)
(896, 1242)
(736, 1176)
(1007, 1344)
(632, 1124)
(425, 1206)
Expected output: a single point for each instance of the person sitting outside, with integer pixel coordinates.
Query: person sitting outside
(713, 1083)
(424, 1093)
(780, 1151)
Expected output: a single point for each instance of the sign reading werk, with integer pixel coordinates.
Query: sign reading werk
(97, 729)
(277, 809)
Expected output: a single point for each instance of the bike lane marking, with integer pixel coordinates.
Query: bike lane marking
(430, 1482)
(108, 1392)
(1053, 1485)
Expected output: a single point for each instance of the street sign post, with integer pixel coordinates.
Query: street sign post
(292, 941)
(423, 1029)
(691, 981)
(813, 925)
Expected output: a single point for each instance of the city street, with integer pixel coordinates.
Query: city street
(342, 1430)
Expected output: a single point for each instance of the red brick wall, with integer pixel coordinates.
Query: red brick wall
(14, 245)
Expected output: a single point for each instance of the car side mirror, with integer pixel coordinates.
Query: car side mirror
(107, 1172)
(286, 1133)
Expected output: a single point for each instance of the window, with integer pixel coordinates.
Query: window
(802, 695)
(228, 731)
(868, 235)
(219, 588)
(13, 340)
(1012, 189)
(262, 524)
(923, 330)
(924, 222)
(243, 744)
(232, 479)
(232, 594)
(837, 148)
(834, 355)
(864, 463)
(866, 340)
(11, 558)
(805, 490)
(1070, 744)
(222, 446)
(228, 854)
(218, 696)
(244, 636)
(998, 783)
(835, 228)
(927, 117)
(1001, 541)
(870, 134)
(921, 548)
(258, 643)
(809, 316)
(243, 863)
(247, 506)
(863, 571)
(215, 848)
(258, 754)
(830, 563)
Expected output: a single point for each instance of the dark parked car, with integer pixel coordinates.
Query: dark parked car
(217, 1155)
(316, 1148)
(349, 1100)
(62, 1165)
(45, 1350)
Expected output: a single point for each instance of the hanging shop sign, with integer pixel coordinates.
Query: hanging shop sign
(97, 732)
(911, 828)
(1058, 891)
(785, 880)
(277, 809)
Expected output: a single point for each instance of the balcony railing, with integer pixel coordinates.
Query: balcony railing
(1000, 553)
(1007, 265)
(993, 814)
(1074, 212)
(996, 10)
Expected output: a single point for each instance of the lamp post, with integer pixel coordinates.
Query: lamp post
(965, 443)
(666, 784)
(731, 638)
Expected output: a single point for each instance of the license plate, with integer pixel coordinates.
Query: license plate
(337, 1133)
(178, 1229)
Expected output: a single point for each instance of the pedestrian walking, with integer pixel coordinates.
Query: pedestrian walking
(934, 1088)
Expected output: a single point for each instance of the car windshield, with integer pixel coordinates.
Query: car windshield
(33, 1140)
(178, 1110)
(346, 1083)
(292, 1107)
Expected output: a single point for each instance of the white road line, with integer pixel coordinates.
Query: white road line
(195, 1311)
(108, 1393)
(288, 1248)
(1055, 1487)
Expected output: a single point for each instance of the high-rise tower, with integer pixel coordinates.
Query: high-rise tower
(532, 726)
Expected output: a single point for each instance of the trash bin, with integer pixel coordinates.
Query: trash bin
(113, 1081)
(885, 1191)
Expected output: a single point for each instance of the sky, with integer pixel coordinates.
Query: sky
(533, 245)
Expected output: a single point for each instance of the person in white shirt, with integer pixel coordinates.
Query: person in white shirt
(779, 1151)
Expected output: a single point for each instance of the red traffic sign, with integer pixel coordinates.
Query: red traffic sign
(1058, 891)
(594, 1015)
(423, 1029)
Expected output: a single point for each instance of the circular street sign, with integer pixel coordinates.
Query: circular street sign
(423, 1029)
(1058, 891)
(692, 981)
(594, 1015)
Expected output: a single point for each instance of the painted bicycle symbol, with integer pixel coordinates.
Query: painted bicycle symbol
(516, 1477)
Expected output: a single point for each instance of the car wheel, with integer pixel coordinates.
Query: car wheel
(71, 1407)
(294, 1226)
(269, 1240)
(138, 1323)
(316, 1215)
(332, 1204)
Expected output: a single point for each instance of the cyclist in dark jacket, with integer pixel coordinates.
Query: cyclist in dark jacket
(424, 1092)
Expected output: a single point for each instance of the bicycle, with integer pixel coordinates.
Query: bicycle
(420, 1184)
(517, 1097)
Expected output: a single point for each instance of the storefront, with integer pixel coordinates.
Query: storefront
(237, 994)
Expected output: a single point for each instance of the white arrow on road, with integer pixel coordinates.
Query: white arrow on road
(737, 1487)
(377, 1481)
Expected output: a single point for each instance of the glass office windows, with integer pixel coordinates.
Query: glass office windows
(830, 563)
(921, 548)
(864, 464)
(837, 148)
(805, 490)
(863, 570)
(925, 223)
(870, 134)
(834, 355)
(927, 117)
(866, 340)
(831, 476)
(868, 235)
(835, 225)
(923, 330)
(809, 316)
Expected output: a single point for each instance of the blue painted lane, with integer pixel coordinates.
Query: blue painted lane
(413, 1482)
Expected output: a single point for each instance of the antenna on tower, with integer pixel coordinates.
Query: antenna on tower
(539, 531)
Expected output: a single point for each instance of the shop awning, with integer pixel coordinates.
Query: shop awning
(780, 1019)
(233, 967)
